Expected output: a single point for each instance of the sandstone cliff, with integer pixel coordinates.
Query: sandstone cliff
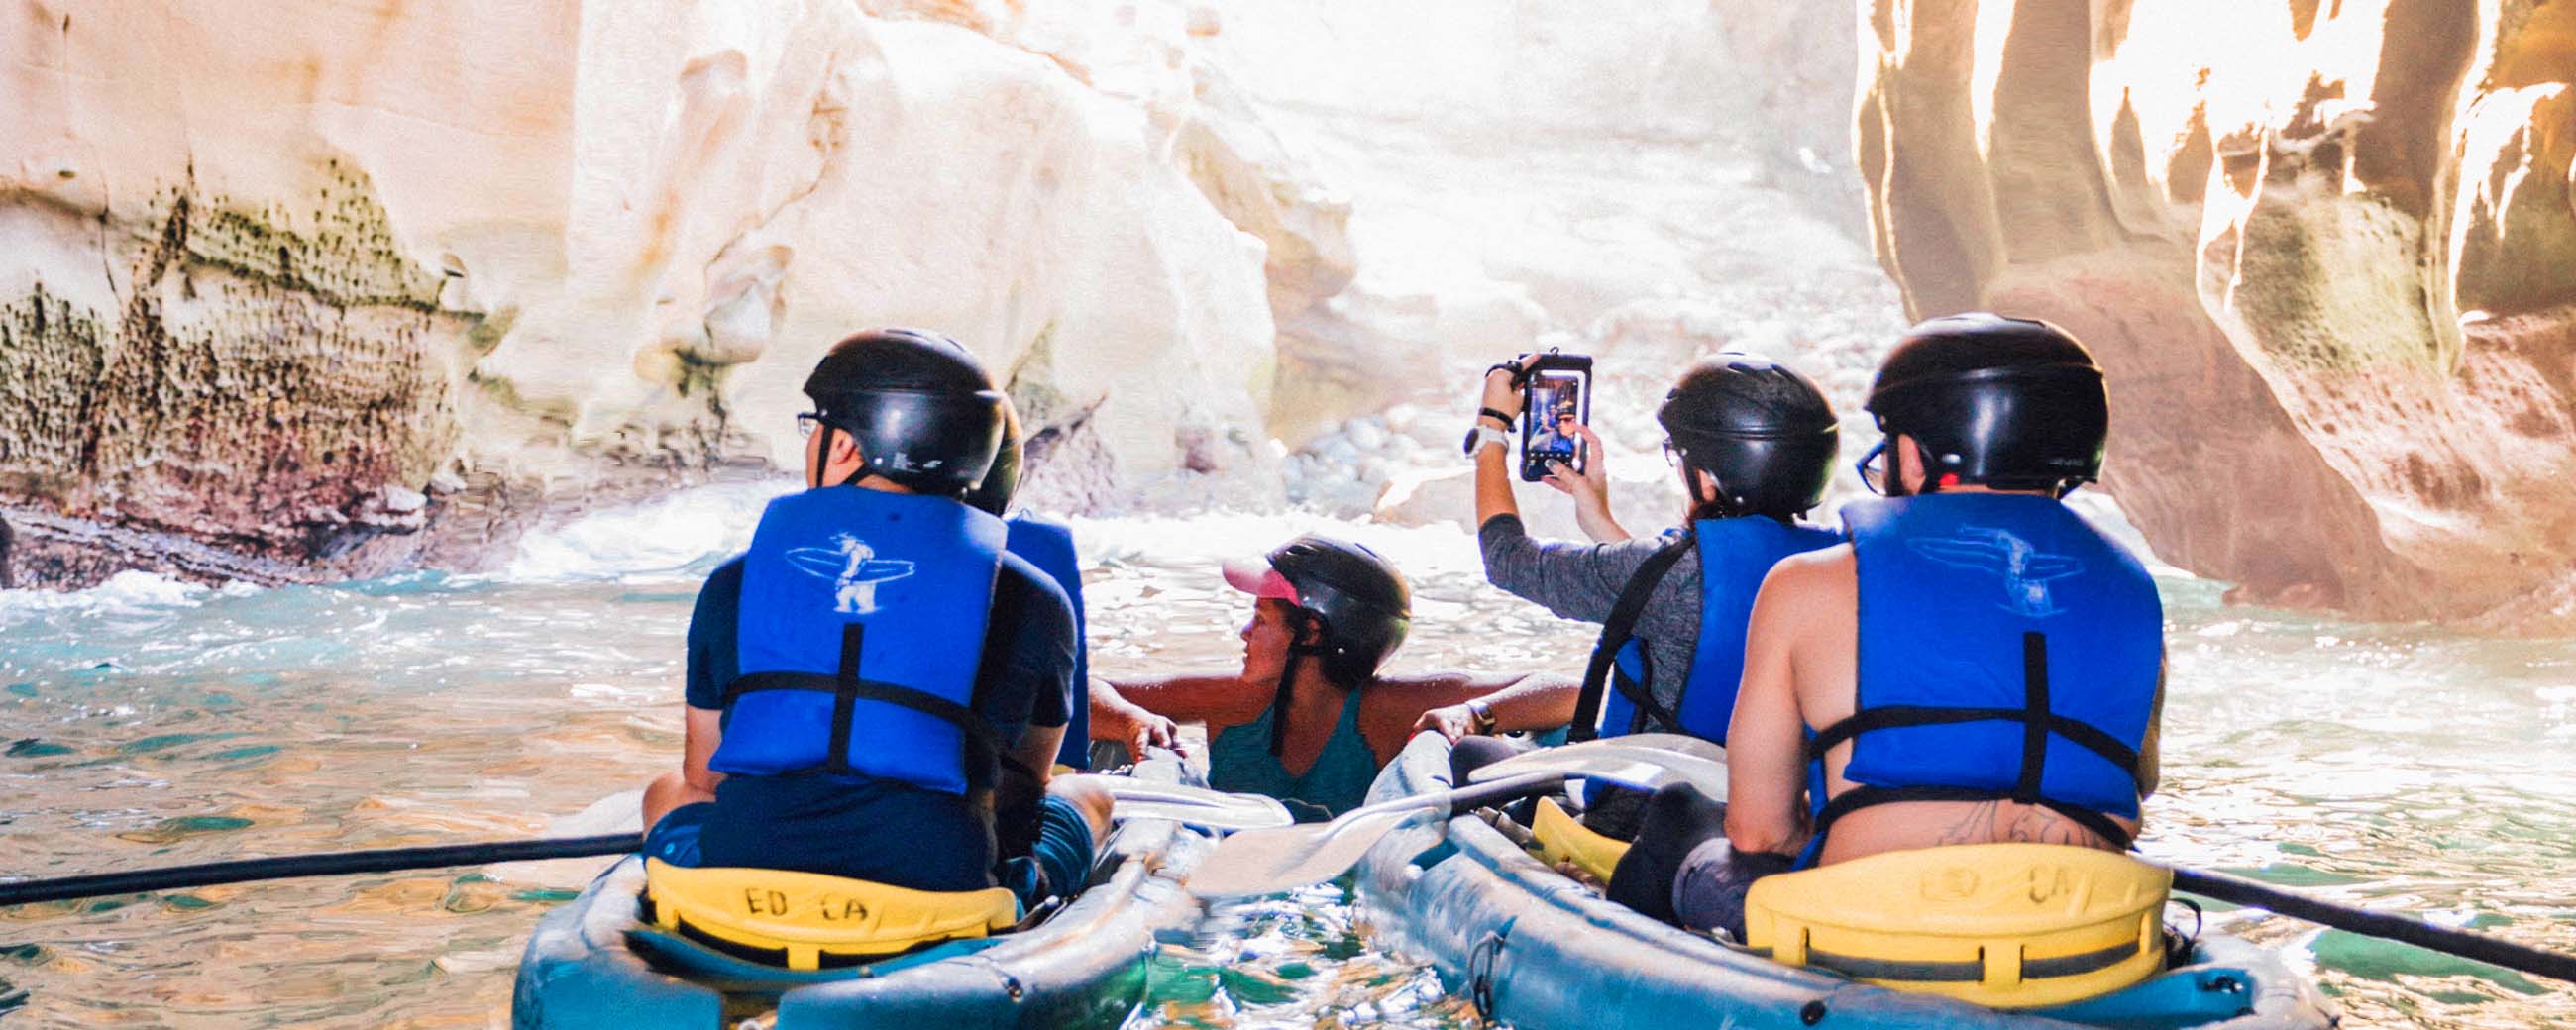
(279, 291)
(2326, 252)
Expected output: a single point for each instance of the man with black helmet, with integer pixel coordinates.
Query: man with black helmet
(830, 727)
(1753, 442)
(1047, 544)
(1978, 665)
(1309, 720)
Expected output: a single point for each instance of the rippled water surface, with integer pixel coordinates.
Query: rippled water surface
(145, 723)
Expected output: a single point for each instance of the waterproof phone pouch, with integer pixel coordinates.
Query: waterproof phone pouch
(1556, 396)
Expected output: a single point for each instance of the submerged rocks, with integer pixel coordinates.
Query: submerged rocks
(2326, 253)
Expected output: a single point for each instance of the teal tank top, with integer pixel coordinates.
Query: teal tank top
(1239, 760)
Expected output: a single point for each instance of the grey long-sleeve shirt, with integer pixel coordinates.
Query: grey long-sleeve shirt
(1582, 582)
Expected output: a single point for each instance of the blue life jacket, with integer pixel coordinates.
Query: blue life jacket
(1048, 544)
(862, 623)
(2008, 651)
(1734, 555)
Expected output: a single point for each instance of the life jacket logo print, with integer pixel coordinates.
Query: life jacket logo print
(854, 569)
(2026, 571)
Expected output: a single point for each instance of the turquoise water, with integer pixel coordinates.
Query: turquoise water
(147, 723)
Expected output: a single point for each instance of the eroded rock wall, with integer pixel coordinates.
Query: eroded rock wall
(333, 289)
(2324, 251)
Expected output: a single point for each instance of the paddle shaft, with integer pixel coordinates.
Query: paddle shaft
(338, 863)
(385, 860)
(2481, 947)
(1509, 788)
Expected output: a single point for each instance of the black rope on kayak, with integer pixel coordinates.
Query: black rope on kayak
(339, 863)
(2491, 950)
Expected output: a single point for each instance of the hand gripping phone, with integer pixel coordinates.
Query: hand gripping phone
(1556, 396)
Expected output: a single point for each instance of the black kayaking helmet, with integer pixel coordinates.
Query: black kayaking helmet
(1761, 430)
(1357, 604)
(918, 405)
(1002, 481)
(2008, 403)
(1352, 611)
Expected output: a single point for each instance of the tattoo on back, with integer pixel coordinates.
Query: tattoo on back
(1990, 822)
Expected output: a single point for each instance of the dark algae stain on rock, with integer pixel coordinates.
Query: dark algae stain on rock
(50, 353)
(269, 386)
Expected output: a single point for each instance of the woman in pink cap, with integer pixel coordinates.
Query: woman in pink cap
(1309, 720)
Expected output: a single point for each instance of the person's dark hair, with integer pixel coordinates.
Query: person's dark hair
(918, 405)
(2008, 403)
(1757, 427)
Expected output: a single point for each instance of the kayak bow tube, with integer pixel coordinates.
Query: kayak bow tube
(597, 964)
(1536, 950)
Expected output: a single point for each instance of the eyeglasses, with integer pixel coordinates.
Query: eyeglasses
(1873, 468)
(806, 421)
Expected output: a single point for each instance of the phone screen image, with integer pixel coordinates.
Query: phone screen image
(1557, 402)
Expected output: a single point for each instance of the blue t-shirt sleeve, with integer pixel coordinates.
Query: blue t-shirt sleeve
(1026, 678)
(713, 661)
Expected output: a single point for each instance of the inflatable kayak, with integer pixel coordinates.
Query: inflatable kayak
(616, 959)
(1537, 950)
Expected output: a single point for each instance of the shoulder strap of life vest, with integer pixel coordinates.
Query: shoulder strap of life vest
(1616, 632)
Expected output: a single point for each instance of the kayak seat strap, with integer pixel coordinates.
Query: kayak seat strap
(804, 921)
(2007, 926)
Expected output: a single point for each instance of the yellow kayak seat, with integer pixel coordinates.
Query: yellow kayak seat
(2007, 926)
(810, 921)
(1563, 838)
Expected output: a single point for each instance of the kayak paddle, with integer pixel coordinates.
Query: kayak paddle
(1192, 806)
(1639, 760)
(2494, 951)
(1134, 799)
(339, 863)
(1287, 857)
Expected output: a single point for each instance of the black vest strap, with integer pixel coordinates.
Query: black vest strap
(2034, 726)
(2038, 724)
(847, 689)
(845, 699)
(1616, 632)
(2086, 735)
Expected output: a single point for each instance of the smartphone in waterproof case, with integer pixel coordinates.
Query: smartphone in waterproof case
(1556, 398)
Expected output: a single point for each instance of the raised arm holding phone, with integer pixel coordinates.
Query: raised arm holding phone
(1754, 443)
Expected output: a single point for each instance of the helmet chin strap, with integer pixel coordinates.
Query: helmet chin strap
(1298, 650)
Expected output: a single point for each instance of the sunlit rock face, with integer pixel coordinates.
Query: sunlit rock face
(332, 289)
(2325, 250)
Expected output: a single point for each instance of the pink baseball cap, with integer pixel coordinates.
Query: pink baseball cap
(1255, 576)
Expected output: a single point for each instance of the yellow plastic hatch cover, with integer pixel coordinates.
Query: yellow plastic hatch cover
(1562, 838)
(2002, 925)
(806, 920)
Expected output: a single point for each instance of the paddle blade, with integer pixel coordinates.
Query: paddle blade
(1135, 798)
(1283, 858)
